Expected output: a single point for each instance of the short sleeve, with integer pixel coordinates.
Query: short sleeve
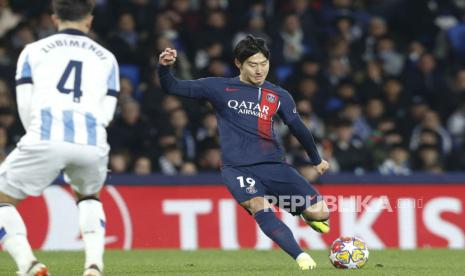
(23, 68)
(287, 109)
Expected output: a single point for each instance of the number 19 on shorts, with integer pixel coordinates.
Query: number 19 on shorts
(251, 184)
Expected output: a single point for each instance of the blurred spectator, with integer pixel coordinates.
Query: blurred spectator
(457, 86)
(171, 160)
(45, 27)
(256, 25)
(184, 137)
(213, 50)
(308, 89)
(126, 90)
(119, 161)
(428, 82)
(217, 68)
(188, 168)
(291, 43)
(392, 60)
(372, 84)
(124, 42)
(348, 150)
(8, 18)
(345, 92)
(337, 71)
(415, 52)
(6, 59)
(131, 130)
(397, 163)
(395, 99)
(456, 125)
(310, 119)
(432, 122)
(209, 128)
(210, 159)
(374, 111)
(354, 112)
(345, 27)
(22, 35)
(306, 15)
(376, 30)
(143, 166)
(215, 30)
(429, 159)
(338, 48)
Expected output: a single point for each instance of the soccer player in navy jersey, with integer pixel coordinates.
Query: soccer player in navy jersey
(253, 165)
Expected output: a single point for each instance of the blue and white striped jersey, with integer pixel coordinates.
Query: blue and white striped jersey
(75, 82)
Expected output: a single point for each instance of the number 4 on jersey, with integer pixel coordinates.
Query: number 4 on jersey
(77, 66)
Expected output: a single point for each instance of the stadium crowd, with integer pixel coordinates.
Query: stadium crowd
(381, 84)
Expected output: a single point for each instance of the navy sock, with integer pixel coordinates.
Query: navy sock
(276, 230)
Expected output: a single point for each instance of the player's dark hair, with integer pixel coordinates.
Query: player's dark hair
(72, 10)
(250, 46)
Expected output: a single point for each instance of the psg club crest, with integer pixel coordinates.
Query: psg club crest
(251, 190)
(271, 98)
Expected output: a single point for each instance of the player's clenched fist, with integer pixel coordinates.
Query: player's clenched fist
(168, 56)
(322, 167)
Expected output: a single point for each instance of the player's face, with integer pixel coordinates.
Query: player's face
(255, 69)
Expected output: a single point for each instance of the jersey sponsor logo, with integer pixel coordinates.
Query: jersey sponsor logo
(271, 98)
(229, 89)
(250, 108)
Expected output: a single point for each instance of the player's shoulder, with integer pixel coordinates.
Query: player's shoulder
(70, 38)
(276, 88)
(214, 80)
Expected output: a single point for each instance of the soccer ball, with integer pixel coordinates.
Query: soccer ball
(348, 253)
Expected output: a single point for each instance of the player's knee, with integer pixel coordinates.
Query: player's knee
(316, 212)
(6, 200)
(316, 216)
(255, 205)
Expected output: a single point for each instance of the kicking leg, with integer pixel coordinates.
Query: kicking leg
(13, 237)
(276, 230)
(92, 223)
(317, 217)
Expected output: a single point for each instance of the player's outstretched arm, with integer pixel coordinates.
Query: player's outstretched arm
(171, 85)
(301, 132)
(288, 112)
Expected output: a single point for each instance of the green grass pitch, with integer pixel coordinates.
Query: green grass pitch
(247, 262)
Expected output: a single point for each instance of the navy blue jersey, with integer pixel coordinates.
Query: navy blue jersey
(245, 116)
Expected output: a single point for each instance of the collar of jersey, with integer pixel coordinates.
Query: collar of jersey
(72, 32)
(238, 79)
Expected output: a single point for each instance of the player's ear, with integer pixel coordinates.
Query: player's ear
(55, 20)
(238, 63)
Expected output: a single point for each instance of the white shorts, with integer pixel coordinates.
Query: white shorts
(30, 168)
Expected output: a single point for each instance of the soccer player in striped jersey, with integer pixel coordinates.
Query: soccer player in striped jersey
(66, 87)
(253, 165)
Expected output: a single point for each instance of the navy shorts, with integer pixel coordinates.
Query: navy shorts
(279, 182)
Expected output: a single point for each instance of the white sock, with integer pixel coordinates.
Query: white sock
(92, 223)
(13, 237)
